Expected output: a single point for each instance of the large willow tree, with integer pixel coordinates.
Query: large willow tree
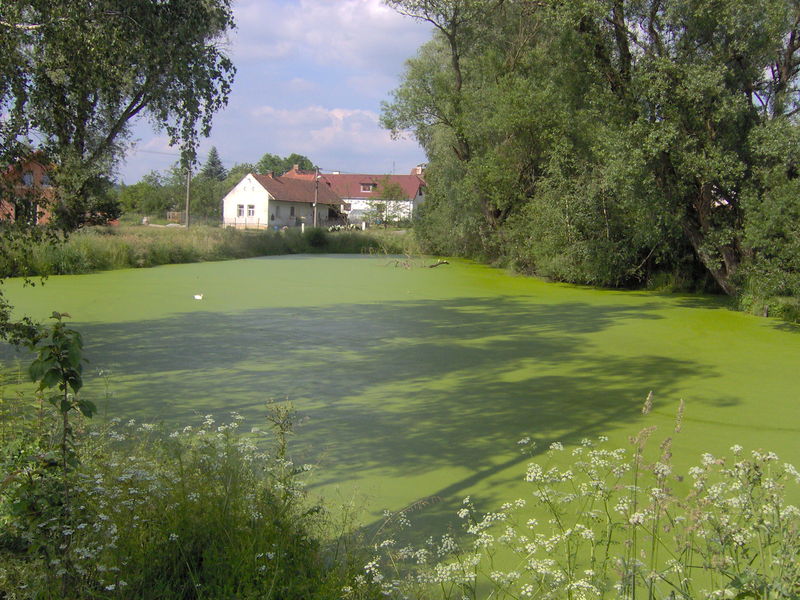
(609, 141)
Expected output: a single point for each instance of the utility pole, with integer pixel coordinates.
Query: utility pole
(316, 193)
(188, 183)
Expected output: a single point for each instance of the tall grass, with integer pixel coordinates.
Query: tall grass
(107, 248)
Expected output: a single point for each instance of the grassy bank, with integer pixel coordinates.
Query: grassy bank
(130, 246)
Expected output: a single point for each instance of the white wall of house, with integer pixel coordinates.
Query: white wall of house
(361, 209)
(291, 214)
(246, 205)
(364, 210)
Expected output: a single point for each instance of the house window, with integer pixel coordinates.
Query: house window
(240, 210)
(368, 187)
(46, 181)
(27, 178)
(291, 211)
(251, 210)
(277, 211)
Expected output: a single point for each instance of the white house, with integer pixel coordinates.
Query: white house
(363, 195)
(267, 201)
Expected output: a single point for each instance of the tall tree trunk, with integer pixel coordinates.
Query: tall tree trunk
(722, 264)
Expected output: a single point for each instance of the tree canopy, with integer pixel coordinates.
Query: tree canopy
(278, 165)
(213, 168)
(74, 74)
(611, 142)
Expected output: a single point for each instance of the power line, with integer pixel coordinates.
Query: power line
(177, 155)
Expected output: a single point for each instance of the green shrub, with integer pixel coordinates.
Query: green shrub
(316, 237)
(200, 512)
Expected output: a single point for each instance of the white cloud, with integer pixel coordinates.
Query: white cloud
(338, 138)
(310, 77)
(361, 34)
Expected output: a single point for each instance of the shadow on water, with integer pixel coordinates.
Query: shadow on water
(393, 390)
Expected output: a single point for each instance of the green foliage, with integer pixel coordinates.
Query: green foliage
(200, 512)
(772, 233)
(277, 165)
(605, 143)
(149, 196)
(213, 168)
(58, 363)
(316, 237)
(79, 72)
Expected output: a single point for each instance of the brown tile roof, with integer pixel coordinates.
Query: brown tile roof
(349, 185)
(289, 189)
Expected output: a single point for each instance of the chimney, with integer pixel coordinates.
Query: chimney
(270, 174)
(295, 168)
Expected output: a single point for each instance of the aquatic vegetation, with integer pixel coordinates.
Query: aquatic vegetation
(615, 523)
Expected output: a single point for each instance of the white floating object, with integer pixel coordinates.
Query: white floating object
(198, 296)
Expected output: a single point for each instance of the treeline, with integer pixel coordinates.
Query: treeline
(159, 192)
(615, 143)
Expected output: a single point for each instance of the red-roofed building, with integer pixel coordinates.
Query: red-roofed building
(267, 201)
(366, 197)
(26, 192)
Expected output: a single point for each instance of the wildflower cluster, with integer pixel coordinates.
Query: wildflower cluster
(611, 525)
(200, 511)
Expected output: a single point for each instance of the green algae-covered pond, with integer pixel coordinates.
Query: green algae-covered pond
(419, 382)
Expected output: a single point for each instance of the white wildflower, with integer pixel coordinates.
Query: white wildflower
(636, 518)
(535, 473)
(662, 470)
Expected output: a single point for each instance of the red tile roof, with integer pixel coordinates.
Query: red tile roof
(292, 189)
(296, 173)
(350, 186)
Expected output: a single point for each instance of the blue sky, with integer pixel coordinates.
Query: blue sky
(311, 75)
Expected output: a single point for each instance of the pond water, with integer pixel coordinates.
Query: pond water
(418, 382)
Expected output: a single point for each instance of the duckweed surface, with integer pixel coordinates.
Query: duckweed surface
(417, 383)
